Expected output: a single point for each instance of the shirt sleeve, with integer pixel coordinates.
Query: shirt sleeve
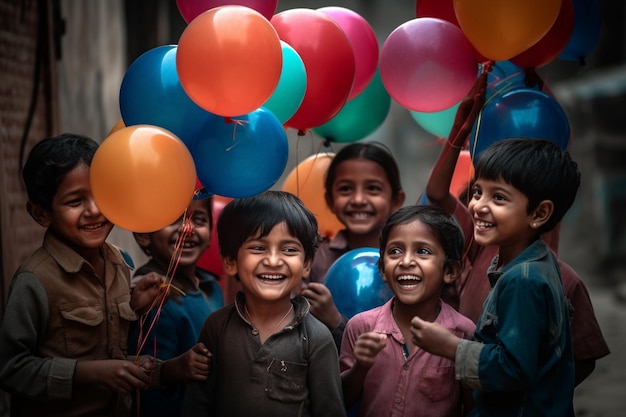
(22, 371)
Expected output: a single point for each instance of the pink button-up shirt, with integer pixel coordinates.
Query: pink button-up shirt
(422, 385)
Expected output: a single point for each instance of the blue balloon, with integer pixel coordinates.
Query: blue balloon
(152, 94)
(504, 76)
(521, 113)
(240, 156)
(355, 282)
(586, 32)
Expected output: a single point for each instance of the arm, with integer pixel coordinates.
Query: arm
(367, 347)
(146, 292)
(438, 185)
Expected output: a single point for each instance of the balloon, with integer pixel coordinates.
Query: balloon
(504, 76)
(501, 29)
(306, 181)
(551, 45)
(441, 9)
(328, 59)
(586, 32)
(190, 9)
(524, 112)
(364, 44)
(289, 92)
(243, 156)
(119, 125)
(355, 282)
(142, 178)
(151, 94)
(229, 60)
(360, 116)
(427, 65)
(463, 173)
(438, 123)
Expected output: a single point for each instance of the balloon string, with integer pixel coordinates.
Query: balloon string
(186, 230)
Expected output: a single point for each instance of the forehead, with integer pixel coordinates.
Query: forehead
(412, 232)
(352, 169)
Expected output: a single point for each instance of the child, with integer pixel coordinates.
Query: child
(420, 250)
(193, 294)
(362, 189)
(473, 286)
(270, 356)
(521, 362)
(64, 334)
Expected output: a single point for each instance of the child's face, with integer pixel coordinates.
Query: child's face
(362, 196)
(162, 243)
(74, 216)
(413, 265)
(270, 267)
(500, 216)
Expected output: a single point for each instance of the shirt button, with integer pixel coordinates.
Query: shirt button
(398, 400)
(405, 366)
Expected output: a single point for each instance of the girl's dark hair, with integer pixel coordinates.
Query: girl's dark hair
(50, 160)
(373, 151)
(441, 223)
(538, 168)
(255, 216)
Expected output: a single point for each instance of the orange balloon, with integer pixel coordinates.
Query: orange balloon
(501, 29)
(229, 60)
(142, 178)
(463, 173)
(307, 182)
(119, 125)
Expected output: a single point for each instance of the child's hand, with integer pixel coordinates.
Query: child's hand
(193, 365)
(118, 375)
(367, 346)
(434, 338)
(322, 304)
(146, 290)
(146, 363)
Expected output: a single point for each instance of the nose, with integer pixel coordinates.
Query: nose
(91, 207)
(358, 197)
(407, 260)
(273, 258)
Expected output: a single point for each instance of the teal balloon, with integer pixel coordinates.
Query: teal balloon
(289, 92)
(438, 123)
(360, 116)
(355, 282)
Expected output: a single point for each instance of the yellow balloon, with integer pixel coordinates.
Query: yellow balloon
(307, 182)
(502, 29)
(142, 178)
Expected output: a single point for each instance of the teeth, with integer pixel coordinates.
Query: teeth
(481, 223)
(271, 277)
(409, 278)
(93, 226)
(360, 215)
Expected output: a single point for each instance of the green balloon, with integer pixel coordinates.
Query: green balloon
(438, 123)
(289, 93)
(360, 116)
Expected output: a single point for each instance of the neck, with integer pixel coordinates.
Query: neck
(362, 241)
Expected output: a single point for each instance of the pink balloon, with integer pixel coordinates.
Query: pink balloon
(427, 64)
(364, 44)
(189, 9)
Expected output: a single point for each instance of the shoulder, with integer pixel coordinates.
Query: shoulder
(456, 321)
(120, 255)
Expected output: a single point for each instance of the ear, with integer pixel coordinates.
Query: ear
(307, 269)
(329, 202)
(38, 213)
(452, 272)
(541, 214)
(230, 266)
(142, 239)
(399, 200)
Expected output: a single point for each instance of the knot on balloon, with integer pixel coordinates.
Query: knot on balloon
(488, 65)
(187, 228)
(327, 143)
(201, 194)
(301, 132)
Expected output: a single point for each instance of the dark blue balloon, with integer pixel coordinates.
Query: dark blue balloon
(355, 282)
(586, 32)
(152, 94)
(504, 76)
(521, 113)
(240, 156)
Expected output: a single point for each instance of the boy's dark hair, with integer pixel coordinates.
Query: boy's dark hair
(255, 216)
(538, 168)
(372, 151)
(440, 222)
(50, 160)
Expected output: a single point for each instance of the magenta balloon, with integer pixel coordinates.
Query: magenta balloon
(427, 64)
(189, 9)
(364, 44)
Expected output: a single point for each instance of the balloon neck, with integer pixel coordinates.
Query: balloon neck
(582, 61)
(228, 120)
(326, 143)
(487, 65)
(301, 132)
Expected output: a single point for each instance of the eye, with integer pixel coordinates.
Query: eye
(74, 202)
(343, 189)
(374, 188)
(424, 251)
(394, 251)
(499, 197)
(200, 220)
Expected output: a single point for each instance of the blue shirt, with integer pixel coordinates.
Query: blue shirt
(521, 361)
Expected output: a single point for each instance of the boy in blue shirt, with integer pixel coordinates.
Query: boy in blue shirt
(521, 361)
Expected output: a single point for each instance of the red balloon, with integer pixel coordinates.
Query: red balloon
(329, 61)
(441, 9)
(553, 43)
(364, 44)
(190, 9)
